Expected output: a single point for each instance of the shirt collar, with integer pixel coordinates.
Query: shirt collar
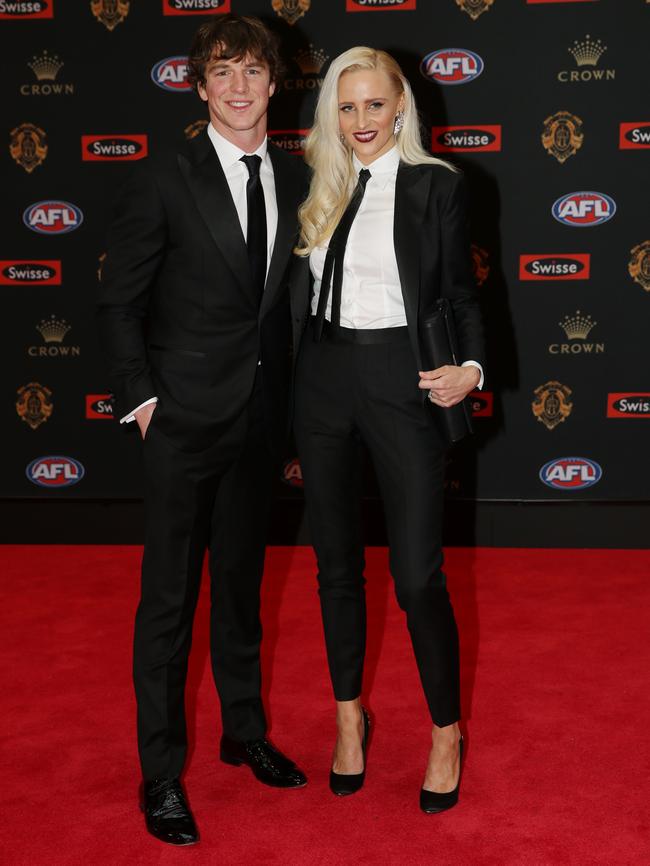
(382, 169)
(228, 152)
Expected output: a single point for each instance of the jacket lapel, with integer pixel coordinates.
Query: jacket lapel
(204, 176)
(287, 196)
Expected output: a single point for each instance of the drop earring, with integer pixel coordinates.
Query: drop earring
(399, 123)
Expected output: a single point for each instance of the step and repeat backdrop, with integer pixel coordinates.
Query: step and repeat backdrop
(543, 104)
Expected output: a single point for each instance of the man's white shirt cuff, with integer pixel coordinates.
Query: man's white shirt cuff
(131, 416)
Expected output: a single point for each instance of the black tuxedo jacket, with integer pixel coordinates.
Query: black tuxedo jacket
(177, 311)
(432, 248)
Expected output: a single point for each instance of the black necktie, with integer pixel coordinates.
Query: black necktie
(334, 259)
(256, 225)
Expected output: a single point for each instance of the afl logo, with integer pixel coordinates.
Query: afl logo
(584, 209)
(171, 74)
(452, 66)
(52, 217)
(570, 473)
(55, 471)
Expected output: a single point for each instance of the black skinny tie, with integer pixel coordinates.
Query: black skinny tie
(334, 259)
(256, 226)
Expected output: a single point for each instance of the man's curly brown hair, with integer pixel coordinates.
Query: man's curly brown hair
(233, 37)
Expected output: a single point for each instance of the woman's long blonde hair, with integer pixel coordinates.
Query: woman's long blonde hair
(333, 176)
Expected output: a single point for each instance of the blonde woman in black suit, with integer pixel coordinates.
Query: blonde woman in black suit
(383, 236)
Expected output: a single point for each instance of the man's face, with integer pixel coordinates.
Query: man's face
(237, 93)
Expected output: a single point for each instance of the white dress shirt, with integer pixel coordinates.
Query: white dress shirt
(371, 294)
(237, 176)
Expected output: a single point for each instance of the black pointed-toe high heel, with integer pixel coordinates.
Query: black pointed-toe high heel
(341, 784)
(432, 802)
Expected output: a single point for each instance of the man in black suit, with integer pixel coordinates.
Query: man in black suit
(195, 317)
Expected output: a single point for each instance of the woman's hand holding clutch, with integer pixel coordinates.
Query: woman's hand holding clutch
(448, 385)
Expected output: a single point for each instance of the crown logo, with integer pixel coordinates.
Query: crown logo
(577, 327)
(45, 68)
(311, 60)
(588, 52)
(53, 330)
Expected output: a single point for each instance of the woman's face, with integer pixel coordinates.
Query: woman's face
(368, 104)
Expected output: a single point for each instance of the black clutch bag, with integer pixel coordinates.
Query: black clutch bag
(439, 347)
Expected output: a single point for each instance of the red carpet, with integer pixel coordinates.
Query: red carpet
(556, 664)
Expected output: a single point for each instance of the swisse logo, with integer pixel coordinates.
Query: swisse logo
(570, 473)
(370, 5)
(112, 148)
(634, 136)
(99, 407)
(195, 7)
(171, 74)
(481, 403)
(584, 209)
(55, 471)
(634, 404)
(465, 138)
(30, 273)
(26, 9)
(451, 66)
(52, 217)
(291, 140)
(554, 266)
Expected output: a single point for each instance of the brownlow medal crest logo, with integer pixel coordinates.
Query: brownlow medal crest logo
(480, 265)
(639, 265)
(291, 10)
(474, 8)
(193, 129)
(28, 146)
(551, 405)
(34, 404)
(110, 12)
(562, 135)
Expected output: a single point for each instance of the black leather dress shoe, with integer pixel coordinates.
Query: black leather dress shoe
(268, 764)
(166, 812)
(432, 802)
(341, 784)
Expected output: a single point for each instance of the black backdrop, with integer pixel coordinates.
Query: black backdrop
(558, 107)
